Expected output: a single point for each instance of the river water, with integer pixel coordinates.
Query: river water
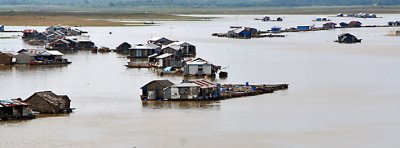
(340, 95)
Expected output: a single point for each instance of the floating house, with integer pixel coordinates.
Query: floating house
(208, 90)
(159, 41)
(61, 44)
(29, 34)
(183, 91)
(50, 57)
(354, 24)
(186, 49)
(344, 25)
(321, 19)
(1, 28)
(266, 18)
(14, 109)
(123, 47)
(244, 32)
(348, 38)
(394, 23)
(40, 57)
(276, 29)
(27, 56)
(329, 25)
(167, 60)
(84, 43)
(199, 67)
(143, 50)
(6, 58)
(154, 90)
(47, 102)
(303, 27)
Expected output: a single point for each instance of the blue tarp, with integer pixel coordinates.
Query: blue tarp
(167, 68)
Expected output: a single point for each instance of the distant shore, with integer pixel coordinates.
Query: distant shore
(48, 16)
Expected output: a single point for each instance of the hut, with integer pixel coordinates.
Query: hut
(200, 66)
(14, 109)
(6, 58)
(1, 28)
(48, 102)
(355, 24)
(329, 25)
(348, 38)
(183, 91)
(159, 41)
(275, 29)
(154, 90)
(344, 25)
(123, 47)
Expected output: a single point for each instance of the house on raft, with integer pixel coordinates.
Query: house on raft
(84, 43)
(187, 90)
(139, 55)
(47, 102)
(123, 47)
(303, 27)
(394, 23)
(40, 57)
(61, 44)
(184, 48)
(329, 25)
(242, 32)
(276, 29)
(322, 19)
(354, 24)
(154, 90)
(50, 57)
(348, 38)
(200, 67)
(7, 58)
(344, 25)
(29, 34)
(160, 41)
(27, 56)
(15, 109)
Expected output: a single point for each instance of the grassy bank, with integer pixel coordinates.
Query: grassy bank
(46, 18)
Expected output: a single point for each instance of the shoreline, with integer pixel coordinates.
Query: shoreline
(65, 16)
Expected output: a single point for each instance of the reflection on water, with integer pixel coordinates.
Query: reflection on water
(23, 68)
(211, 105)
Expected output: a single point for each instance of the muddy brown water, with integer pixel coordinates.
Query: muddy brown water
(340, 95)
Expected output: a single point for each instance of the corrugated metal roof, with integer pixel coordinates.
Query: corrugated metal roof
(164, 56)
(204, 83)
(186, 85)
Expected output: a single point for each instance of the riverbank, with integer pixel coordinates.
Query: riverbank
(48, 18)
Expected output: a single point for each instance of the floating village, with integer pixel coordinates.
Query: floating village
(165, 56)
